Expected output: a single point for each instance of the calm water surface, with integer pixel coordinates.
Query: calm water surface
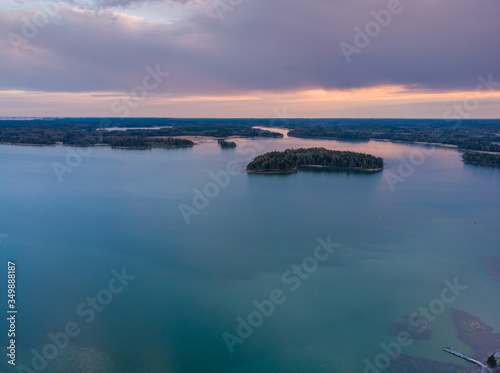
(120, 209)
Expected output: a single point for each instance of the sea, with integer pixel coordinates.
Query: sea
(177, 260)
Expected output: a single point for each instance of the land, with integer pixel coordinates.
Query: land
(473, 135)
(226, 144)
(468, 135)
(94, 131)
(291, 160)
(148, 143)
(484, 159)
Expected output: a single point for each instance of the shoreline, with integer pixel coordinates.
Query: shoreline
(296, 169)
(182, 137)
(482, 164)
(420, 143)
(210, 138)
(333, 138)
(100, 144)
(283, 131)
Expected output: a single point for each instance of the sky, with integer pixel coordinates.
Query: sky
(250, 58)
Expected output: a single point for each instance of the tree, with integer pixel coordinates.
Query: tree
(492, 362)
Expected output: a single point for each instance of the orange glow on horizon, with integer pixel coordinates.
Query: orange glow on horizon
(380, 101)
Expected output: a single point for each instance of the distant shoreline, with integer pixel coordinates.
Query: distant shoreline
(419, 143)
(482, 164)
(210, 138)
(283, 131)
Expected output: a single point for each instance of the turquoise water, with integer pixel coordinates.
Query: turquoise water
(120, 209)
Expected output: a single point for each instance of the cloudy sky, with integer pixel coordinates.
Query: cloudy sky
(250, 58)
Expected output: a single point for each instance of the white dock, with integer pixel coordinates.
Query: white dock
(462, 356)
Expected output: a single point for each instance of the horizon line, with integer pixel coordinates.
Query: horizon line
(245, 118)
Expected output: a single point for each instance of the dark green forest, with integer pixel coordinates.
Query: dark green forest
(482, 135)
(88, 133)
(482, 158)
(292, 159)
(146, 143)
(464, 138)
(226, 144)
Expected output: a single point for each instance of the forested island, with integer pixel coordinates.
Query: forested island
(226, 144)
(291, 160)
(485, 159)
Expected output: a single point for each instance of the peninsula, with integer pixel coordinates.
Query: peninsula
(291, 160)
(484, 159)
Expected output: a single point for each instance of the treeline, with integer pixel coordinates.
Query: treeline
(482, 159)
(87, 135)
(464, 137)
(143, 143)
(211, 131)
(292, 159)
(467, 134)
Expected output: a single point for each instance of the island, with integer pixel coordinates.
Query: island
(484, 159)
(291, 160)
(226, 144)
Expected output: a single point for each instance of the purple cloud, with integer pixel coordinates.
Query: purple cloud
(261, 45)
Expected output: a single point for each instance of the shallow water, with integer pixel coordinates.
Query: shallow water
(120, 209)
